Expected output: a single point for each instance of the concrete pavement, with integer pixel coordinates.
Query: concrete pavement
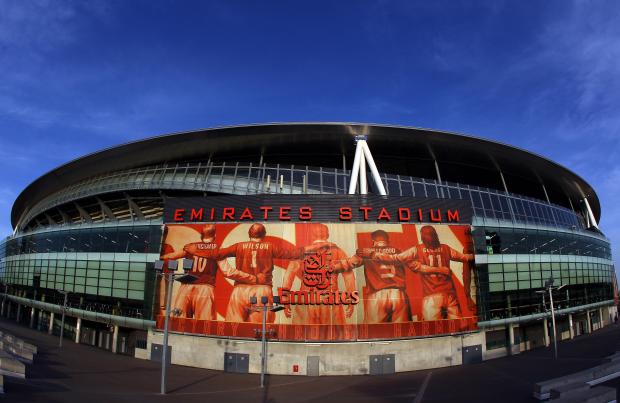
(80, 373)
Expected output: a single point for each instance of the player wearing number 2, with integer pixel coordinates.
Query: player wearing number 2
(385, 299)
(432, 260)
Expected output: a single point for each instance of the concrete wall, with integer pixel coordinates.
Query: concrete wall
(334, 358)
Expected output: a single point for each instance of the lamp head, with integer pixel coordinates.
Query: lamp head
(173, 265)
(159, 265)
(187, 265)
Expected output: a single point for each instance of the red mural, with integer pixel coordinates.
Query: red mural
(336, 281)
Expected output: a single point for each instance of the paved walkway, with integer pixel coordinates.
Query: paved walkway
(80, 373)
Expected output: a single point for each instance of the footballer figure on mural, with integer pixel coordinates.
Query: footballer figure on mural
(432, 260)
(384, 297)
(255, 258)
(196, 300)
(318, 314)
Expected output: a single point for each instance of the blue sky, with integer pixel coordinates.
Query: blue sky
(78, 76)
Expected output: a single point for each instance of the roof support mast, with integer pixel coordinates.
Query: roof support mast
(590, 214)
(362, 156)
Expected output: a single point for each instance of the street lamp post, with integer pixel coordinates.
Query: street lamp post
(265, 307)
(6, 291)
(170, 276)
(62, 321)
(550, 288)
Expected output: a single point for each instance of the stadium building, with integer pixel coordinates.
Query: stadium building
(368, 249)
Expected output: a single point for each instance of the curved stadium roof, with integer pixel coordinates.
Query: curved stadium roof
(396, 150)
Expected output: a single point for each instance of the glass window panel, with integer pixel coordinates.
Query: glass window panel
(511, 285)
(329, 181)
(431, 190)
(406, 188)
(494, 287)
(136, 285)
(136, 276)
(137, 266)
(107, 265)
(524, 275)
(524, 285)
(105, 273)
(119, 293)
(138, 295)
(510, 267)
(121, 275)
(510, 276)
(121, 265)
(418, 188)
(393, 188)
(105, 292)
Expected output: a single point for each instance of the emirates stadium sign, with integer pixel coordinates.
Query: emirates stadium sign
(359, 276)
(322, 208)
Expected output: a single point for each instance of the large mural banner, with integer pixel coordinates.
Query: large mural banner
(337, 281)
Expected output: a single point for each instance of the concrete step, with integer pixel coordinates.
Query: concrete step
(17, 352)
(598, 394)
(568, 390)
(18, 342)
(607, 370)
(11, 367)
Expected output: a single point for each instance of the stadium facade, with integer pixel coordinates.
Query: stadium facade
(445, 269)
